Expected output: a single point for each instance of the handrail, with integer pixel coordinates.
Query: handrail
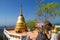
(14, 34)
(8, 35)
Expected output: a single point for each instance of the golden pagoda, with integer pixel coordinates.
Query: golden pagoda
(20, 24)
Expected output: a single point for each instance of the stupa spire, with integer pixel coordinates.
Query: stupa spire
(21, 10)
(20, 24)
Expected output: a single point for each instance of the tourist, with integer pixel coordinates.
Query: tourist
(54, 34)
(42, 34)
(47, 35)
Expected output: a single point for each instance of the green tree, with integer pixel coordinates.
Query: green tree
(47, 10)
(50, 10)
(48, 25)
(1, 37)
(31, 24)
(38, 9)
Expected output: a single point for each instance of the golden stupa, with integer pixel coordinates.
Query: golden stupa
(20, 24)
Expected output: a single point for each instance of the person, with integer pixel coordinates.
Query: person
(54, 34)
(42, 34)
(47, 35)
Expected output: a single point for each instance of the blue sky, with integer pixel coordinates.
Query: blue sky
(10, 10)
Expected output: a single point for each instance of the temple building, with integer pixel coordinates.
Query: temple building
(17, 33)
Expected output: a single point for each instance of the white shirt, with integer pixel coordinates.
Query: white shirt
(54, 36)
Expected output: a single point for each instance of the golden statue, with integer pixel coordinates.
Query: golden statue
(20, 24)
(55, 31)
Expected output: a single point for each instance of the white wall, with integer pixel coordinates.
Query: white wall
(57, 25)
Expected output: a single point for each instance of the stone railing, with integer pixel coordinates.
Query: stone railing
(14, 36)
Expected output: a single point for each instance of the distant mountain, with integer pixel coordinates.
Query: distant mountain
(57, 24)
(5, 26)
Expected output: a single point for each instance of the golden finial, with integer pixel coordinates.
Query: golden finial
(21, 10)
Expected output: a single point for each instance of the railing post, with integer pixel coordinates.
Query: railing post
(20, 37)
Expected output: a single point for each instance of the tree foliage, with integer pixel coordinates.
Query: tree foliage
(38, 9)
(47, 10)
(50, 9)
(48, 25)
(31, 24)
